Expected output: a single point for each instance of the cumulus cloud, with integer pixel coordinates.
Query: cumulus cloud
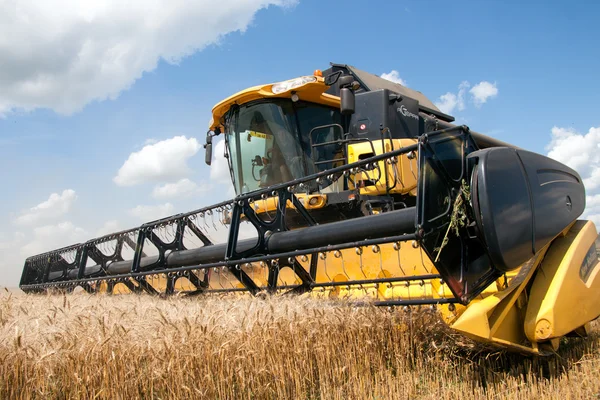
(582, 153)
(182, 188)
(12, 243)
(111, 226)
(394, 76)
(56, 206)
(578, 151)
(39, 234)
(219, 168)
(63, 54)
(482, 92)
(151, 213)
(51, 237)
(11, 262)
(17, 247)
(449, 101)
(162, 161)
(592, 208)
(219, 172)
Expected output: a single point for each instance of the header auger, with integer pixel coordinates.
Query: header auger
(351, 186)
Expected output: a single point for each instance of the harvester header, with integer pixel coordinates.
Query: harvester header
(350, 186)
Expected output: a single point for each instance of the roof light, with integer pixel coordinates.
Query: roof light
(318, 72)
(285, 86)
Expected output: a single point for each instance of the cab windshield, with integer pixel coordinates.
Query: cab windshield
(268, 142)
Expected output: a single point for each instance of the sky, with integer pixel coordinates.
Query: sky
(104, 105)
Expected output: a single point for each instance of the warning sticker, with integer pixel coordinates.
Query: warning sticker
(257, 134)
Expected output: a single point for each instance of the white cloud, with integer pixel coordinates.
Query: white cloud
(578, 151)
(482, 92)
(182, 188)
(394, 76)
(11, 262)
(151, 213)
(582, 153)
(111, 226)
(11, 244)
(449, 101)
(63, 54)
(56, 206)
(40, 239)
(159, 162)
(219, 168)
(51, 237)
(219, 171)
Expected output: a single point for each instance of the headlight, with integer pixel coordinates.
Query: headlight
(292, 84)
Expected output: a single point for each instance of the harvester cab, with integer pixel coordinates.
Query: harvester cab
(351, 186)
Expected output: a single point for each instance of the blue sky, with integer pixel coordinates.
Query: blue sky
(82, 87)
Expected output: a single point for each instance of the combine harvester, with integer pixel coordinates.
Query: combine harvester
(350, 186)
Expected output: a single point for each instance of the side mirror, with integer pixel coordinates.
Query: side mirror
(347, 101)
(208, 149)
(347, 98)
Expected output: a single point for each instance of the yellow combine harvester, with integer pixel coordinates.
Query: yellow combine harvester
(350, 186)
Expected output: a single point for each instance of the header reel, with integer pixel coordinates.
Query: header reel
(478, 214)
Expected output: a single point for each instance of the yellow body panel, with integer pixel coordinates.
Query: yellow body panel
(566, 292)
(401, 259)
(498, 317)
(400, 176)
(313, 92)
(121, 288)
(158, 282)
(564, 297)
(310, 202)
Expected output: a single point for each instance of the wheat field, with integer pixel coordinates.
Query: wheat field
(79, 346)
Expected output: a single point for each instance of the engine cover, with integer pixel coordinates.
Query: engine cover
(384, 109)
